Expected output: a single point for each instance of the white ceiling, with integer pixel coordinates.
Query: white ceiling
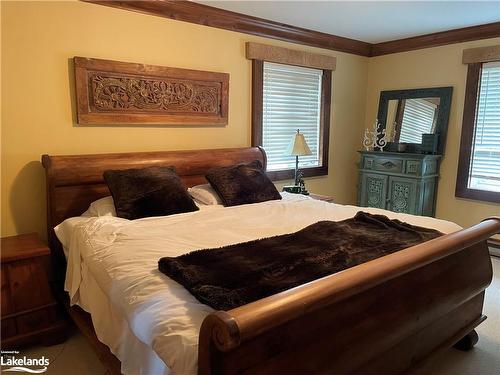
(370, 21)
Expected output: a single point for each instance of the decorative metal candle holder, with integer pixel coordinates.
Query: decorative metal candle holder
(375, 138)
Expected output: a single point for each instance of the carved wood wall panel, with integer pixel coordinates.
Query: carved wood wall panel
(114, 92)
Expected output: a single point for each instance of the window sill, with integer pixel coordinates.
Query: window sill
(479, 195)
(289, 174)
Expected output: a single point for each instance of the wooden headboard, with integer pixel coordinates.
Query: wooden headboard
(75, 181)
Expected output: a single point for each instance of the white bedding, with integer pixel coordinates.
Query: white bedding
(118, 259)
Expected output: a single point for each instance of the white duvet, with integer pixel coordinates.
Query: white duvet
(122, 256)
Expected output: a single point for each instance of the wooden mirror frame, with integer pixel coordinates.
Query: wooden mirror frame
(443, 93)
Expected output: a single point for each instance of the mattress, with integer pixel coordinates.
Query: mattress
(115, 260)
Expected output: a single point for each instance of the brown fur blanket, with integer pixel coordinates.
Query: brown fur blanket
(235, 275)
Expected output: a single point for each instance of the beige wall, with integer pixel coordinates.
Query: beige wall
(40, 38)
(433, 67)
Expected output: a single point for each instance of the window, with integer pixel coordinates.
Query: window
(485, 161)
(479, 164)
(291, 100)
(290, 90)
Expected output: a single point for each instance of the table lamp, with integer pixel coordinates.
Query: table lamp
(298, 147)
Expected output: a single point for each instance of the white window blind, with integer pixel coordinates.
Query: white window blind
(291, 101)
(485, 161)
(418, 118)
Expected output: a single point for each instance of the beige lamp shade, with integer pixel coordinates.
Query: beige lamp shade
(298, 146)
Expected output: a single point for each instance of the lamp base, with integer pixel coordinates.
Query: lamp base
(292, 189)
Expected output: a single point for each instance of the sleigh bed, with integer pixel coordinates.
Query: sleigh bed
(385, 316)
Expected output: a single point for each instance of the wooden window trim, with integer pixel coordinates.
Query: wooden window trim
(468, 126)
(280, 55)
(324, 144)
(481, 54)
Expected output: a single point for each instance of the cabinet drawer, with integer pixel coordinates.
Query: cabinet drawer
(8, 328)
(33, 321)
(28, 284)
(6, 307)
(388, 165)
(368, 163)
(413, 167)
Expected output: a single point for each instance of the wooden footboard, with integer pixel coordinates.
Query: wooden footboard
(381, 317)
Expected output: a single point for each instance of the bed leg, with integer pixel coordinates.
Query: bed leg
(467, 342)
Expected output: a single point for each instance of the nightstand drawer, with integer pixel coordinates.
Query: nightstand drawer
(33, 321)
(26, 276)
(6, 307)
(8, 328)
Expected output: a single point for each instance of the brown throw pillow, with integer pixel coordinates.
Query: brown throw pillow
(154, 191)
(242, 184)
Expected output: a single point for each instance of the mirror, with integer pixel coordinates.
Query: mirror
(408, 119)
(408, 114)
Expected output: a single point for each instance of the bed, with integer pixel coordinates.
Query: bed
(384, 316)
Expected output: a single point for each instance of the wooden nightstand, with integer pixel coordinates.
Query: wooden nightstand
(29, 312)
(325, 198)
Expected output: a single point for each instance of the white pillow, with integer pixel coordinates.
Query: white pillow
(101, 207)
(205, 194)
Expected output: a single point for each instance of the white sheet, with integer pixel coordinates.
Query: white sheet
(112, 329)
(122, 255)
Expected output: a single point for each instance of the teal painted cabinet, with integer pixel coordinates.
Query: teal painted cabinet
(398, 182)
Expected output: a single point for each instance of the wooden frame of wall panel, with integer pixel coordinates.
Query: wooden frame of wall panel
(192, 91)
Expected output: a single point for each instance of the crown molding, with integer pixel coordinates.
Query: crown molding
(201, 14)
(466, 34)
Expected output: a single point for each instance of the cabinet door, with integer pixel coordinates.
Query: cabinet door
(402, 195)
(373, 190)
